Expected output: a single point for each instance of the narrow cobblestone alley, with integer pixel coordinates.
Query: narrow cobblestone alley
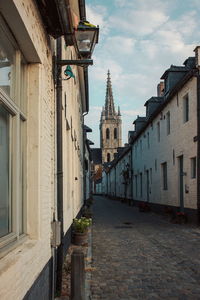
(142, 255)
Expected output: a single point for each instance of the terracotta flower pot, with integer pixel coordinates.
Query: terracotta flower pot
(80, 238)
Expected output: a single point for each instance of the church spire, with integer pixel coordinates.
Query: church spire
(109, 101)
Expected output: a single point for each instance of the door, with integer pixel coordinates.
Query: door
(147, 175)
(181, 185)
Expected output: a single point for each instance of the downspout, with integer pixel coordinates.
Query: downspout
(59, 164)
(198, 146)
(84, 173)
(131, 172)
(115, 182)
(87, 110)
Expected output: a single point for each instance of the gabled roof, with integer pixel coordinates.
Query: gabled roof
(174, 69)
(87, 129)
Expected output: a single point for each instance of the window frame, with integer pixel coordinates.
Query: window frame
(15, 105)
(168, 123)
(186, 109)
(158, 132)
(164, 176)
(193, 166)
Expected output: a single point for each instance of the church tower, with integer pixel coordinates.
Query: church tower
(110, 126)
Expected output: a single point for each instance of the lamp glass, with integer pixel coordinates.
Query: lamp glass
(86, 37)
(84, 40)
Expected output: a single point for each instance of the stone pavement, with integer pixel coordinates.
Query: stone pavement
(142, 255)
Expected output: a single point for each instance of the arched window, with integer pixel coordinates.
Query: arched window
(107, 133)
(108, 157)
(115, 133)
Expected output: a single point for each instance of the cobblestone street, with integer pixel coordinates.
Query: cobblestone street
(142, 255)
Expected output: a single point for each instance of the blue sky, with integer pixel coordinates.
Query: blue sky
(139, 40)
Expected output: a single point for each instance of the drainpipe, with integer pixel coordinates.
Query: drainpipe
(84, 174)
(59, 164)
(198, 146)
(84, 135)
(115, 182)
(131, 172)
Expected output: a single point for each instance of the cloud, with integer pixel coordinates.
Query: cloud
(119, 45)
(97, 16)
(139, 22)
(133, 113)
(140, 40)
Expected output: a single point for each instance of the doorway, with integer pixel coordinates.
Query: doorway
(181, 185)
(147, 178)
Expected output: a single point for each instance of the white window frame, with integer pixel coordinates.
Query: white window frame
(193, 165)
(186, 108)
(168, 123)
(164, 176)
(158, 131)
(17, 110)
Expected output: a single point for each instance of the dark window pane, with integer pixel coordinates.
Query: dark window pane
(4, 172)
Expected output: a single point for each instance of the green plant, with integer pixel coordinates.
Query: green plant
(86, 212)
(81, 225)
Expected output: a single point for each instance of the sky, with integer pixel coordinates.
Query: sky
(138, 41)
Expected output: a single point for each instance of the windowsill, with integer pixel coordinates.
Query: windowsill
(21, 243)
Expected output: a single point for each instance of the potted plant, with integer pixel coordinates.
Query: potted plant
(86, 212)
(80, 230)
(181, 218)
(144, 207)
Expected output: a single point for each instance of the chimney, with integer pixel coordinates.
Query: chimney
(160, 89)
(197, 56)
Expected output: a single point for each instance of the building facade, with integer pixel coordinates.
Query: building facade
(41, 144)
(163, 169)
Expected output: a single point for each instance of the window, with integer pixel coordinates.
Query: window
(186, 109)
(107, 133)
(108, 157)
(193, 167)
(12, 138)
(173, 156)
(151, 175)
(140, 184)
(155, 164)
(148, 142)
(136, 186)
(164, 174)
(115, 133)
(158, 131)
(168, 122)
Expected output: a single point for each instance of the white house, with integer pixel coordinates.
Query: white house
(41, 143)
(164, 146)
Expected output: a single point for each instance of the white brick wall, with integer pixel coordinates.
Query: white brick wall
(20, 267)
(180, 140)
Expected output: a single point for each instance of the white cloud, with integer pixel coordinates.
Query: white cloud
(141, 39)
(119, 45)
(133, 113)
(139, 22)
(97, 16)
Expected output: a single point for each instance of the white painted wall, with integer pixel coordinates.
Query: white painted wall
(180, 140)
(145, 158)
(21, 263)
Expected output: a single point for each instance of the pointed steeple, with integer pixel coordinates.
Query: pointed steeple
(119, 113)
(109, 101)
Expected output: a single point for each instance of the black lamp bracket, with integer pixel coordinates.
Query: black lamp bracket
(80, 62)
